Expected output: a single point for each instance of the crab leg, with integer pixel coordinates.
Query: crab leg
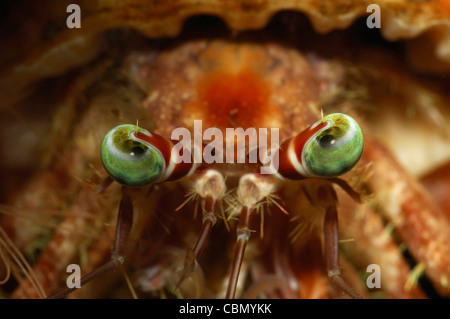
(252, 189)
(323, 197)
(363, 224)
(210, 186)
(417, 219)
(117, 141)
(173, 170)
(243, 235)
(209, 220)
(330, 229)
(293, 163)
(124, 223)
(438, 184)
(78, 224)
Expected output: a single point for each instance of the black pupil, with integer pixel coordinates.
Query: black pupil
(137, 150)
(327, 141)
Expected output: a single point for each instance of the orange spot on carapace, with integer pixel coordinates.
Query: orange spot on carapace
(231, 100)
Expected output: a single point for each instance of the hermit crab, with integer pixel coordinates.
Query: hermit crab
(212, 149)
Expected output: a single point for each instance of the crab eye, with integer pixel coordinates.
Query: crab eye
(129, 160)
(336, 148)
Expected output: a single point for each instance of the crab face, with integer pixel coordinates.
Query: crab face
(231, 66)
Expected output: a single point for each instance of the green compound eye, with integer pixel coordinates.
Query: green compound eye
(128, 160)
(336, 148)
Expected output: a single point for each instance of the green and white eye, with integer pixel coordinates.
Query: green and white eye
(336, 148)
(129, 160)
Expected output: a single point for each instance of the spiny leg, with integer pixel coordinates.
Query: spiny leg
(251, 191)
(327, 149)
(135, 157)
(124, 222)
(243, 235)
(210, 186)
(331, 241)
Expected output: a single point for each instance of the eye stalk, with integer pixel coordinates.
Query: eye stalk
(335, 148)
(328, 148)
(131, 161)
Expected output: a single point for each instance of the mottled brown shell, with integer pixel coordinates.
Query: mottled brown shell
(44, 36)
